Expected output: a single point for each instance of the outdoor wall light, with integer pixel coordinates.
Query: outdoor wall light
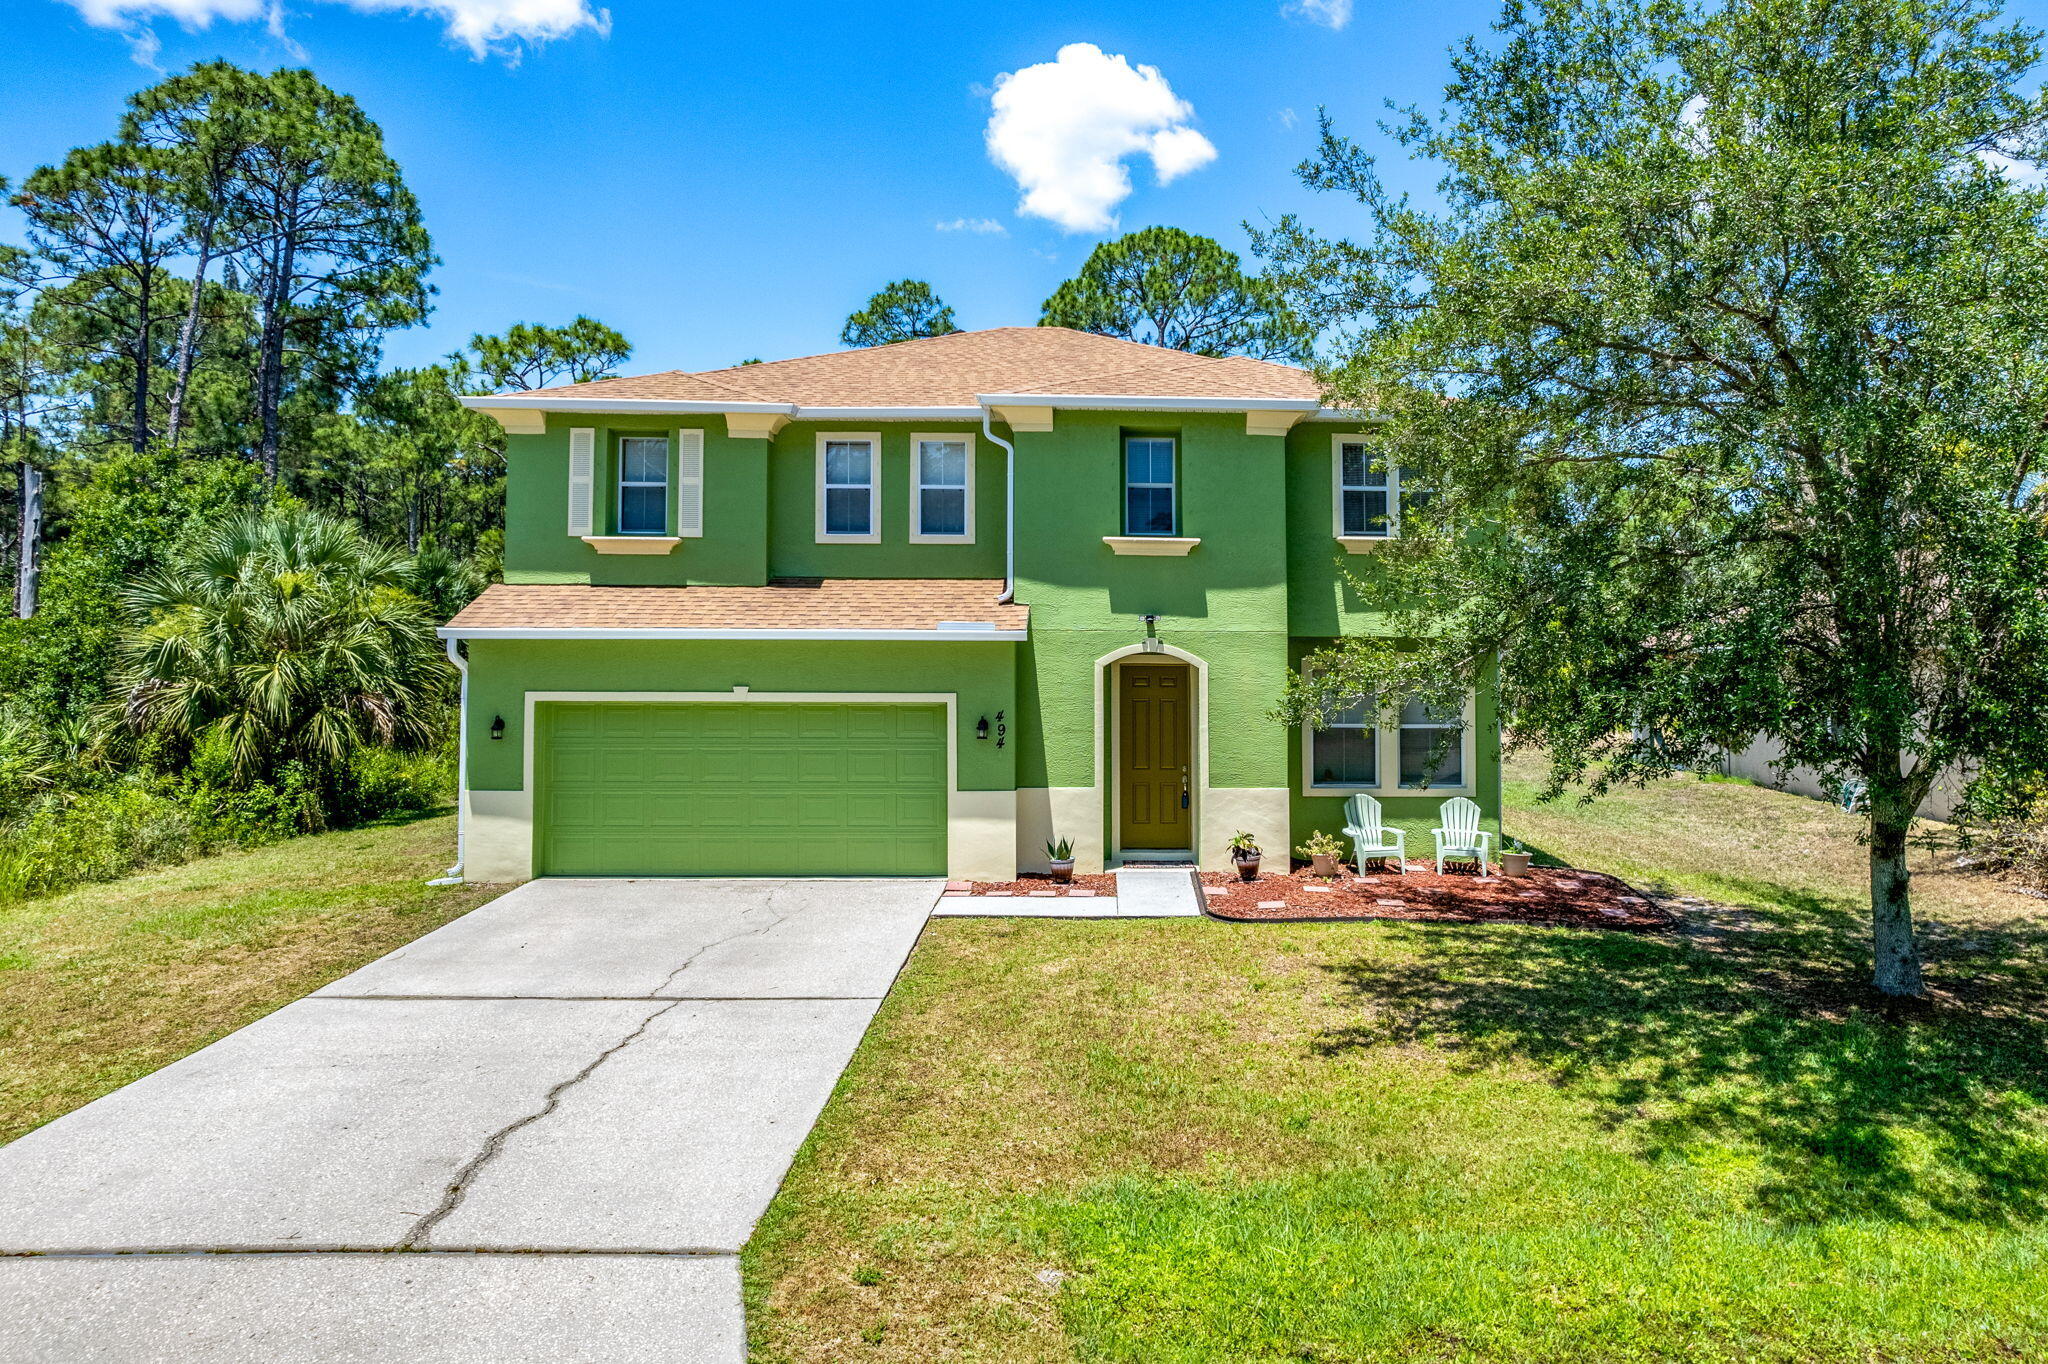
(497, 726)
(981, 728)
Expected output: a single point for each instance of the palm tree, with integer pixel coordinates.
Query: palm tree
(292, 636)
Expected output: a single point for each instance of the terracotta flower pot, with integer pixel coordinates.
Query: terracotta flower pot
(1323, 864)
(1063, 871)
(1514, 864)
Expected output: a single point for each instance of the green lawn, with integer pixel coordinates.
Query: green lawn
(1183, 1141)
(109, 982)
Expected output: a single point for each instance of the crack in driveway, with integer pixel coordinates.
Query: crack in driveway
(458, 1188)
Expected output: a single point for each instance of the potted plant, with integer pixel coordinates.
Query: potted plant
(1321, 850)
(1514, 858)
(1060, 852)
(1244, 852)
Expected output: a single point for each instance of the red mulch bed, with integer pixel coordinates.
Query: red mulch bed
(1547, 895)
(1101, 882)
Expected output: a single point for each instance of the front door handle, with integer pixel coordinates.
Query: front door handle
(1183, 788)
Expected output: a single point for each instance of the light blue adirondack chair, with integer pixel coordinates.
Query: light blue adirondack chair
(1369, 837)
(1459, 837)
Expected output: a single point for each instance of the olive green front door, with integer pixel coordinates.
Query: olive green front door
(739, 789)
(1154, 718)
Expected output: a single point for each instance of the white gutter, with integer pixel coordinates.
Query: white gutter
(453, 876)
(969, 634)
(1009, 508)
(1153, 403)
(1130, 402)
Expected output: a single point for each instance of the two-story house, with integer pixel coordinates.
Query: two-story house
(919, 609)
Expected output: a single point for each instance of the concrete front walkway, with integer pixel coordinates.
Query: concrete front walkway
(573, 1103)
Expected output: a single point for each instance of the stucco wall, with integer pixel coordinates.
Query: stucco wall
(501, 672)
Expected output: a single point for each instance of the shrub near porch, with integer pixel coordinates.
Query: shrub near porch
(1419, 1141)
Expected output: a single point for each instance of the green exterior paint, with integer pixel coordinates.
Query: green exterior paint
(501, 672)
(793, 548)
(740, 790)
(1265, 583)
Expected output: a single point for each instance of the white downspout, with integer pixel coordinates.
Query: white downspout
(453, 876)
(1009, 507)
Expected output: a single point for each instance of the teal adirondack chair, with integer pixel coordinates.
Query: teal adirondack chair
(1459, 837)
(1369, 837)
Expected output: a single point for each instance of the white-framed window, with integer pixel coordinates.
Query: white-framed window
(849, 487)
(1368, 492)
(1432, 748)
(1148, 485)
(1345, 753)
(942, 489)
(643, 485)
(1390, 751)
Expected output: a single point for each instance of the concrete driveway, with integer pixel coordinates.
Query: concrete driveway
(575, 1101)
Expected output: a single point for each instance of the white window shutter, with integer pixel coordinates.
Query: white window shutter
(690, 483)
(582, 459)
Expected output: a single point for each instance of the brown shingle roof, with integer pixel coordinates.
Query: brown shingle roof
(950, 371)
(784, 604)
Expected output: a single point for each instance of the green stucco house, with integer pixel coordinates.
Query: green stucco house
(918, 609)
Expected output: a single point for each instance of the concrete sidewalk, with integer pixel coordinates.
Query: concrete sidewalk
(587, 1091)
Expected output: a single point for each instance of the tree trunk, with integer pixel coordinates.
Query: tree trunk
(188, 339)
(1897, 972)
(31, 535)
(270, 369)
(145, 300)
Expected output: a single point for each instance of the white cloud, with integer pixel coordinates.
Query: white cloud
(1331, 14)
(482, 26)
(983, 225)
(1063, 129)
(1287, 117)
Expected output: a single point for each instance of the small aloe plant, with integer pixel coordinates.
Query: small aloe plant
(1059, 850)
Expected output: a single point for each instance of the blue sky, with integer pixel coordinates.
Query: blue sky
(721, 181)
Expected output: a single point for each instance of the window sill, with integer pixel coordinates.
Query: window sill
(632, 544)
(849, 539)
(1391, 792)
(1362, 544)
(1155, 545)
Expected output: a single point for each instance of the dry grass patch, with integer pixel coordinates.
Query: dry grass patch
(109, 982)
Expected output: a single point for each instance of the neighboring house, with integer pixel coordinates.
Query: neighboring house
(1762, 762)
(814, 617)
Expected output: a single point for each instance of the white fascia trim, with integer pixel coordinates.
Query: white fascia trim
(624, 405)
(709, 408)
(1154, 402)
(973, 636)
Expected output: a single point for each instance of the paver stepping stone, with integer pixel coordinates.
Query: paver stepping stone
(1272, 904)
(1392, 904)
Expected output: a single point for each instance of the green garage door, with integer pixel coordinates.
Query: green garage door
(743, 789)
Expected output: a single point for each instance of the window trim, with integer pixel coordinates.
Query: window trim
(874, 444)
(1388, 754)
(917, 487)
(1393, 490)
(1124, 486)
(667, 484)
(1308, 751)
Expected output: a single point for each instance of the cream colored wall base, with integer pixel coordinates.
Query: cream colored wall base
(1261, 811)
(981, 835)
(1048, 812)
(498, 841)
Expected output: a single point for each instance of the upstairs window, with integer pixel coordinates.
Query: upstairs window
(942, 489)
(1432, 747)
(1148, 485)
(847, 484)
(643, 485)
(1371, 497)
(1346, 751)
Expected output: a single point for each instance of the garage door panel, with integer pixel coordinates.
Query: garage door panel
(752, 788)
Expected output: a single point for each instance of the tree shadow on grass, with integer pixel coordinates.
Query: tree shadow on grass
(1752, 1038)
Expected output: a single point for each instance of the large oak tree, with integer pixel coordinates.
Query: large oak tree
(1721, 351)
